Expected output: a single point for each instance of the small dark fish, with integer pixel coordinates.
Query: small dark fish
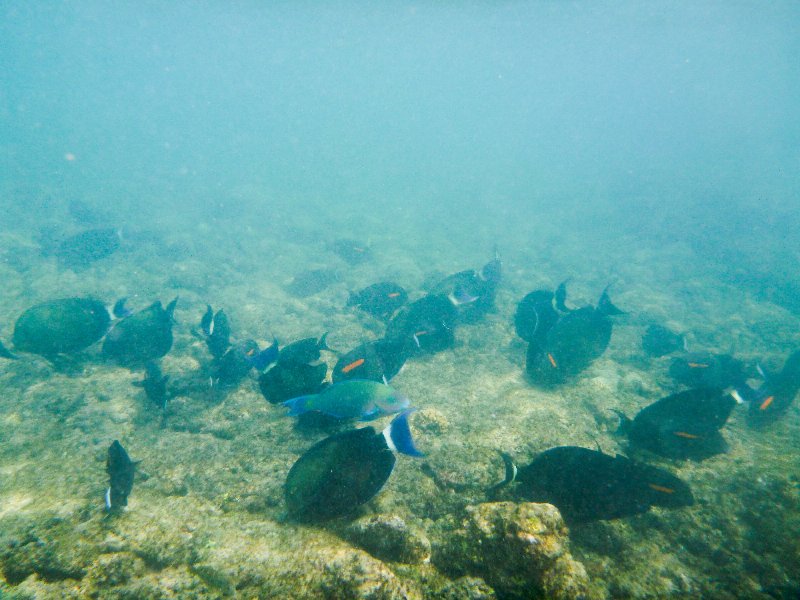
(777, 393)
(351, 251)
(342, 472)
(660, 341)
(311, 282)
(472, 292)
(287, 380)
(154, 384)
(379, 360)
(82, 249)
(706, 369)
(572, 344)
(235, 364)
(144, 336)
(426, 325)
(588, 485)
(304, 351)
(380, 300)
(61, 326)
(682, 426)
(217, 331)
(121, 470)
(351, 399)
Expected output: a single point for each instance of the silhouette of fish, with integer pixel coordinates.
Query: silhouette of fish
(472, 292)
(774, 397)
(287, 380)
(121, 471)
(381, 300)
(706, 369)
(588, 485)
(538, 311)
(352, 251)
(682, 426)
(378, 360)
(217, 331)
(80, 250)
(340, 473)
(352, 399)
(426, 325)
(154, 384)
(62, 326)
(311, 282)
(572, 343)
(141, 337)
(660, 341)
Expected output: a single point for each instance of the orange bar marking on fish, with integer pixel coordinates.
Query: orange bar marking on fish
(353, 365)
(765, 404)
(688, 436)
(394, 294)
(552, 360)
(698, 365)
(661, 488)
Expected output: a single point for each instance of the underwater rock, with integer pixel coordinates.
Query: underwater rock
(466, 588)
(518, 549)
(389, 538)
(110, 570)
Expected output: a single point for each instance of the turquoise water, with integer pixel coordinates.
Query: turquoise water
(653, 148)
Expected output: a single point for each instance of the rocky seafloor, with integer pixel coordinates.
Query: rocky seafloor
(207, 519)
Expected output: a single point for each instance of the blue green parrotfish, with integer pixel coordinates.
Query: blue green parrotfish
(352, 399)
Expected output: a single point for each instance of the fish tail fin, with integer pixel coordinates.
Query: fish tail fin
(510, 474)
(398, 435)
(624, 422)
(605, 306)
(120, 310)
(170, 310)
(6, 353)
(322, 344)
(298, 406)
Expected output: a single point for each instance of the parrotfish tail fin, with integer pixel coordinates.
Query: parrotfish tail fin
(322, 344)
(398, 435)
(605, 306)
(510, 475)
(6, 353)
(561, 296)
(266, 357)
(120, 310)
(298, 406)
(206, 322)
(170, 310)
(624, 422)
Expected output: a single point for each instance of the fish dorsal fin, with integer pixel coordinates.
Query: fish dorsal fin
(560, 296)
(170, 309)
(605, 306)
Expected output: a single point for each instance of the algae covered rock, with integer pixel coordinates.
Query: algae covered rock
(389, 538)
(466, 588)
(518, 549)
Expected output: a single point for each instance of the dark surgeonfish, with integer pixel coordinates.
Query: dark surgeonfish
(154, 384)
(286, 380)
(472, 292)
(82, 249)
(216, 329)
(660, 341)
(351, 399)
(62, 326)
(352, 251)
(776, 394)
(378, 360)
(588, 485)
(242, 357)
(538, 311)
(311, 282)
(381, 300)
(706, 369)
(307, 350)
(340, 473)
(426, 325)
(682, 426)
(121, 470)
(141, 337)
(572, 344)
